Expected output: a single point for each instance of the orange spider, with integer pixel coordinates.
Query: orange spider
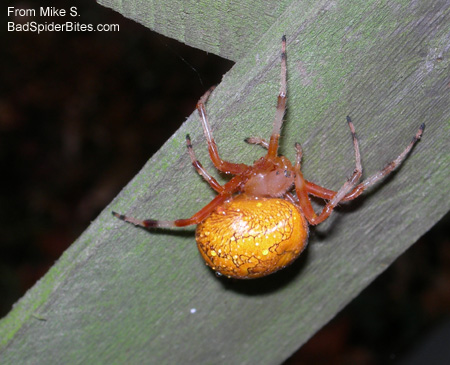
(258, 222)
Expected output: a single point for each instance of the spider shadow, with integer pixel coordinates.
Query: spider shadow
(180, 232)
(320, 233)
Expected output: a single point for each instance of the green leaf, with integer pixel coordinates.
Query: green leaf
(122, 294)
(225, 28)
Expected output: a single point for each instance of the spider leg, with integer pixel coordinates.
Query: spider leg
(324, 193)
(195, 219)
(262, 142)
(298, 154)
(201, 171)
(301, 186)
(221, 165)
(281, 104)
(289, 197)
(257, 140)
(228, 189)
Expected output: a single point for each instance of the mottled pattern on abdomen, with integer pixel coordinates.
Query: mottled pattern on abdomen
(250, 238)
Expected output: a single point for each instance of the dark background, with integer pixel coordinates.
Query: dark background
(80, 114)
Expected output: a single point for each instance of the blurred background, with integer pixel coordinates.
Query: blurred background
(80, 114)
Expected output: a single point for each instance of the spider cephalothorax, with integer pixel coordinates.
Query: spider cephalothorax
(258, 222)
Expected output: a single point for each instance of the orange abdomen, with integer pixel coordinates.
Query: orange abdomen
(252, 237)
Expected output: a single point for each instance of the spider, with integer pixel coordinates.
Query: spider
(258, 222)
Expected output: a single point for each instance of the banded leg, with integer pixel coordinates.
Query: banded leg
(229, 188)
(199, 168)
(298, 155)
(195, 219)
(272, 146)
(301, 186)
(281, 104)
(263, 143)
(221, 165)
(257, 140)
(324, 193)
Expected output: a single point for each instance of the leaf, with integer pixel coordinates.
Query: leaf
(123, 294)
(225, 28)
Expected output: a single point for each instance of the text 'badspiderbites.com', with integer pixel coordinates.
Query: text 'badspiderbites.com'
(21, 20)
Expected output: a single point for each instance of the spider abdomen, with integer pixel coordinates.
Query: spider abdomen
(249, 237)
